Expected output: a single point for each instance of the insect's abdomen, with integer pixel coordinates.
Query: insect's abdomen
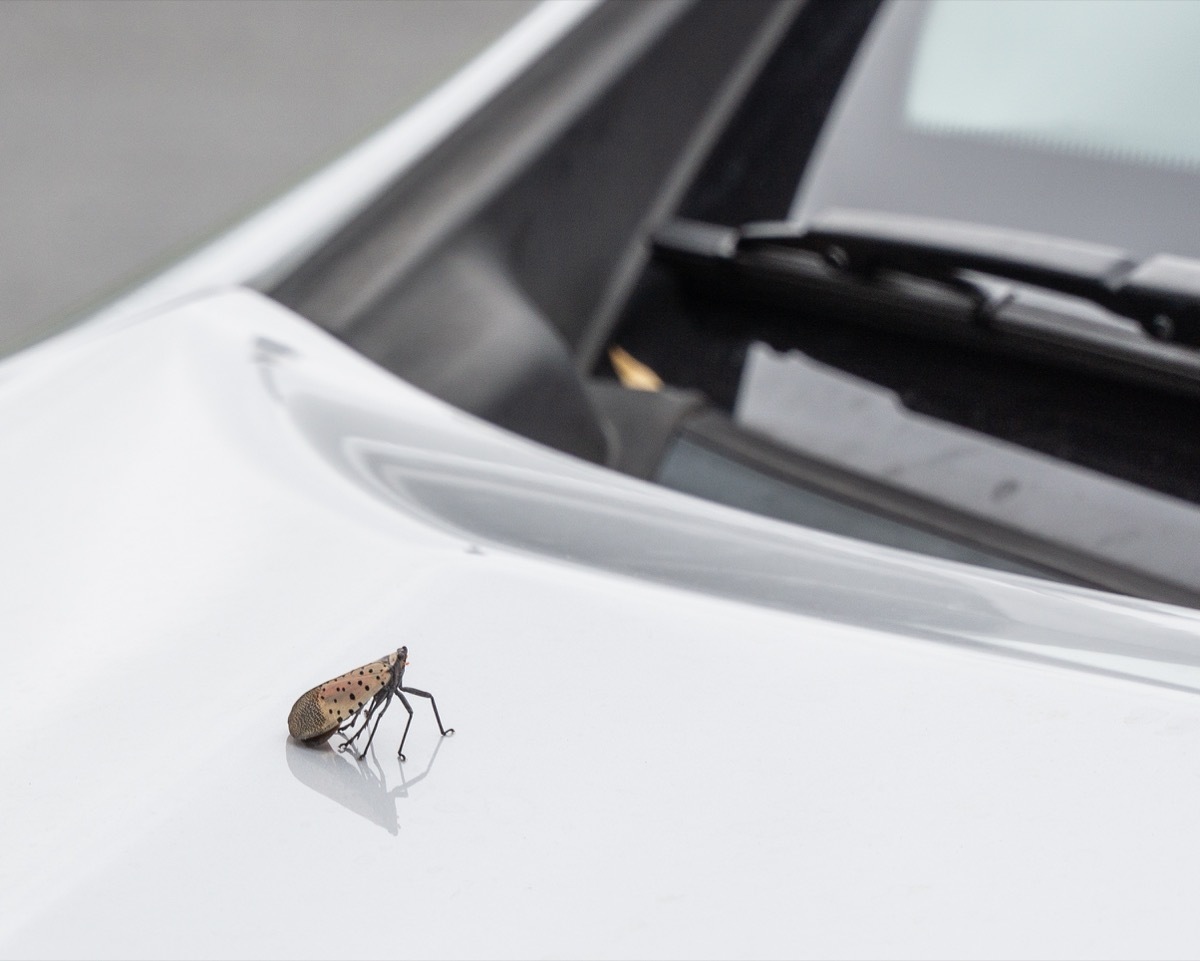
(308, 722)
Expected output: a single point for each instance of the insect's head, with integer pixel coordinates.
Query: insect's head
(401, 659)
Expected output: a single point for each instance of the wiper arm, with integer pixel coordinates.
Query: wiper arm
(1060, 301)
(1162, 293)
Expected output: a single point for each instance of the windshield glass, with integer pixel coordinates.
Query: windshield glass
(1050, 115)
(1037, 72)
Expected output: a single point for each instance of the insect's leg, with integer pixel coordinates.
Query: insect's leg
(442, 727)
(404, 736)
(350, 721)
(387, 699)
(364, 713)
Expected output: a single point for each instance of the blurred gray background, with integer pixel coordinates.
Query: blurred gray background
(135, 129)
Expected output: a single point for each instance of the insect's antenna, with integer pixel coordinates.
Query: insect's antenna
(438, 717)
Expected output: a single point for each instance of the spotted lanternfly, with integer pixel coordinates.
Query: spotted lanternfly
(336, 706)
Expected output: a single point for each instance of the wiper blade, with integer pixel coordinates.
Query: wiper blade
(1162, 292)
(1058, 301)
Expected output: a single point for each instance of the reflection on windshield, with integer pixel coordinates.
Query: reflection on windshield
(1062, 118)
(1061, 74)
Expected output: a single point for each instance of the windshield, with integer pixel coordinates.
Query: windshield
(1038, 73)
(1055, 116)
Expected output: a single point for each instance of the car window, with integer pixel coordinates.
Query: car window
(1040, 73)
(860, 373)
(1072, 119)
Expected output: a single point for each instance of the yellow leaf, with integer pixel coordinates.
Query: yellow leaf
(631, 372)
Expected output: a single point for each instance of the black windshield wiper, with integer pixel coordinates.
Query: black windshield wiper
(1028, 293)
(1162, 292)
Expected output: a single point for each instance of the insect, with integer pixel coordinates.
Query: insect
(361, 695)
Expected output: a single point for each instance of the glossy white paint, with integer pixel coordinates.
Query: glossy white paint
(682, 730)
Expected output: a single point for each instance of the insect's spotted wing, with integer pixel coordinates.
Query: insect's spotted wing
(348, 693)
(319, 712)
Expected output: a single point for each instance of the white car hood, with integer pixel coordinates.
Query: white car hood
(681, 730)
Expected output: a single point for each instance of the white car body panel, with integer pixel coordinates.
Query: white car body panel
(681, 730)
